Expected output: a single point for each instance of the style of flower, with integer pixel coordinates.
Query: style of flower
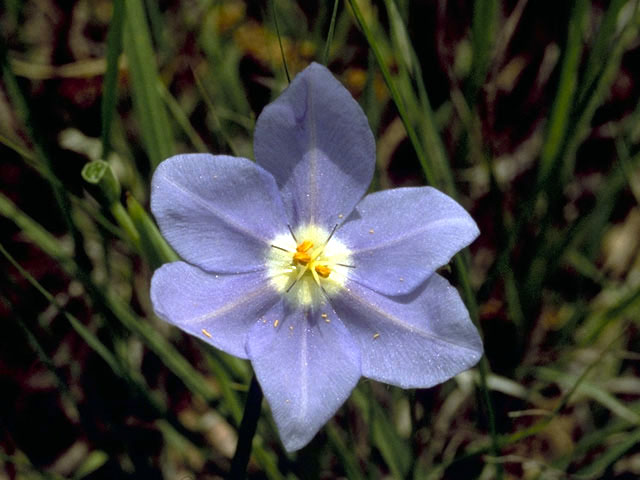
(287, 265)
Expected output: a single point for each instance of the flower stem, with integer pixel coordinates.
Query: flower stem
(247, 431)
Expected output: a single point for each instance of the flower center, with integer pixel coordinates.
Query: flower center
(308, 265)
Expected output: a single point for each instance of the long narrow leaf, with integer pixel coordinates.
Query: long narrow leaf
(110, 84)
(150, 112)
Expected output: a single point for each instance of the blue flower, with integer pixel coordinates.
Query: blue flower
(287, 265)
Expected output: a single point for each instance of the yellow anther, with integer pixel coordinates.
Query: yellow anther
(206, 333)
(302, 257)
(276, 323)
(322, 270)
(305, 246)
(376, 336)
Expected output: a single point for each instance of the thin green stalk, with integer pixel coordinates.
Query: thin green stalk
(332, 26)
(22, 151)
(124, 221)
(247, 431)
(216, 119)
(153, 246)
(181, 118)
(418, 103)
(136, 382)
(284, 58)
(482, 34)
(383, 435)
(150, 112)
(600, 50)
(564, 100)
(460, 262)
(611, 453)
(340, 448)
(99, 347)
(110, 85)
(395, 94)
(111, 305)
(19, 100)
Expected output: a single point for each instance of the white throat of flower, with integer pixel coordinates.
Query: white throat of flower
(308, 265)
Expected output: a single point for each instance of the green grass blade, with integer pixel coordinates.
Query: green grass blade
(154, 340)
(36, 233)
(176, 111)
(332, 26)
(551, 245)
(134, 379)
(395, 93)
(94, 461)
(597, 92)
(284, 57)
(561, 110)
(483, 28)
(152, 244)
(586, 233)
(343, 452)
(86, 335)
(61, 196)
(418, 103)
(150, 111)
(218, 125)
(110, 82)
(600, 48)
(609, 456)
(591, 391)
(626, 302)
(22, 151)
(394, 450)
(597, 439)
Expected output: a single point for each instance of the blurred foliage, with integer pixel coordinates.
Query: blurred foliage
(526, 111)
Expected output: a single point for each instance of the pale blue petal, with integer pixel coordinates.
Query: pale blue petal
(317, 143)
(217, 212)
(306, 366)
(415, 341)
(400, 237)
(219, 309)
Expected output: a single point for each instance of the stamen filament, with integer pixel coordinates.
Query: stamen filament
(315, 276)
(335, 227)
(300, 274)
(292, 234)
(280, 248)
